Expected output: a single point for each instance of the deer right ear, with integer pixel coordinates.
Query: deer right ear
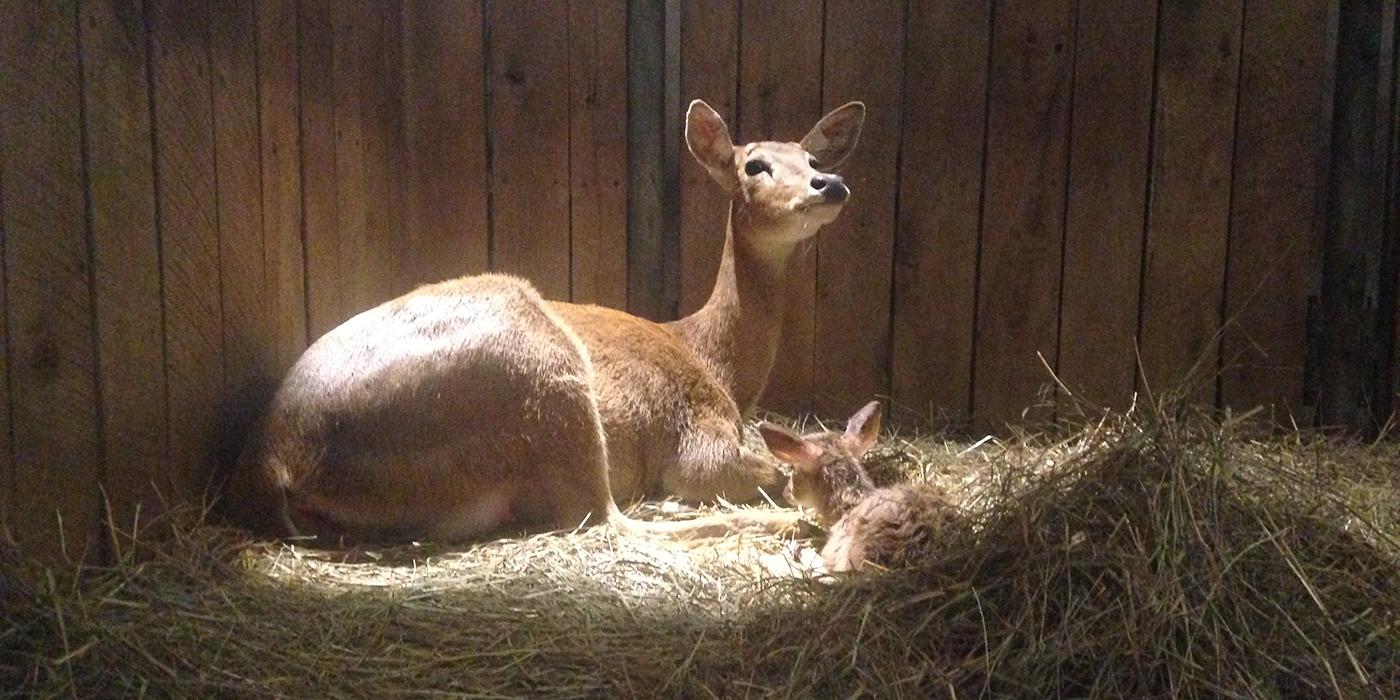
(708, 140)
(863, 428)
(787, 445)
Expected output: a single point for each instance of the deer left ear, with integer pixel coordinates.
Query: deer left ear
(863, 428)
(834, 137)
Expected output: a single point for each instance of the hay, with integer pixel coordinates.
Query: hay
(1136, 557)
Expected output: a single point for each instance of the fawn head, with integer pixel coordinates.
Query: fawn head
(783, 192)
(827, 476)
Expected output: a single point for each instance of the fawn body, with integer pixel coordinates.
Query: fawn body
(892, 526)
(473, 405)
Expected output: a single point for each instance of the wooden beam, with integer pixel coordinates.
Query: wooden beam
(1352, 391)
(652, 214)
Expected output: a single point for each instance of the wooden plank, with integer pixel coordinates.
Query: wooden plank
(935, 270)
(1279, 203)
(529, 125)
(367, 70)
(445, 183)
(278, 114)
(710, 72)
(1189, 199)
(646, 160)
(53, 394)
(1110, 148)
(1023, 205)
(233, 34)
(320, 176)
(386, 154)
(855, 261)
(598, 151)
(1392, 223)
(780, 58)
(7, 462)
(187, 206)
(126, 260)
(1349, 347)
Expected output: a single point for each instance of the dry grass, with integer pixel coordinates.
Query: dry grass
(1136, 557)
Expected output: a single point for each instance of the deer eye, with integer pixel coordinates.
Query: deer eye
(812, 162)
(756, 166)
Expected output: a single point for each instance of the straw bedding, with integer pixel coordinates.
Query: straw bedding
(1137, 556)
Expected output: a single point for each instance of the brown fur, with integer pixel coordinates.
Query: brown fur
(893, 527)
(474, 405)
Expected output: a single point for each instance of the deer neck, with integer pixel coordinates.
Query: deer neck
(736, 333)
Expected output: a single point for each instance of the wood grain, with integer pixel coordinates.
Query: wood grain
(1023, 205)
(446, 181)
(367, 152)
(320, 174)
(8, 521)
(649, 288)
(940, 185)
(126, 260)
(53, 393)
(529, 123)
(780, 99)
(1110, 150)
(598, 152)
(187, 205)
(1189, 200)
(233, 33)
(709, 72)
(1351, 276)
(279, 137)
(856, 255)
(1279, 202)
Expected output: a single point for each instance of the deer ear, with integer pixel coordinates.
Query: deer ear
(863, 428)
(708, 140)
(787, 445)
(835, 136)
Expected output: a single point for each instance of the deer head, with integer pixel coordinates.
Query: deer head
(781, 192)
(827, 477)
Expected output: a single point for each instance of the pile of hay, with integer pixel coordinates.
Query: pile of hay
(1137, 557)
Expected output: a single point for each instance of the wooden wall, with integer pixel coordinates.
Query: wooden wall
(192, 190)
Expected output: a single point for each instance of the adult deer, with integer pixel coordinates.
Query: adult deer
(474, 405)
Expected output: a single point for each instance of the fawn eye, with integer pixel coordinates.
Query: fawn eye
(756, 166)
(812, 162)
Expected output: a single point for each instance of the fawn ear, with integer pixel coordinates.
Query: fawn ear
(708, 140)
(863, 428)
(788, 446)
(835, 136)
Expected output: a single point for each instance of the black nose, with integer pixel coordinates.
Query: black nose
(833, 187)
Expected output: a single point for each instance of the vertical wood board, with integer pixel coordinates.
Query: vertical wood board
(1110, 150)
(940, 186)
(529, 123)
(53, 393)
(1028, 111)
(126, 260)
(855, 257)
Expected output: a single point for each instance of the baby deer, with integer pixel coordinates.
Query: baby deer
(892, 527)
(474, 405)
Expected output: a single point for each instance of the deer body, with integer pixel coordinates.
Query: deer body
(892, 526)
(474, 405)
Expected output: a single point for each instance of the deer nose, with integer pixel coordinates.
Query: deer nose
(832, 187)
